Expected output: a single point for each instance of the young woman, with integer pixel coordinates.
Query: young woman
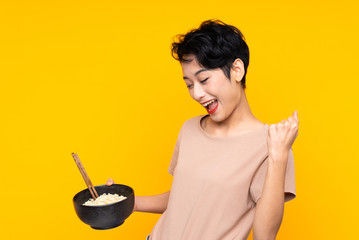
(231, 172)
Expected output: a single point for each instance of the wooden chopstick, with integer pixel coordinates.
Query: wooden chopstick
(83, 173)
(85, 176)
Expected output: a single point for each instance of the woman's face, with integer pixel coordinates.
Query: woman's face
(212, 89)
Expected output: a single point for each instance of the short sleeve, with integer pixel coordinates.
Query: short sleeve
(258, 180)
(175, 154)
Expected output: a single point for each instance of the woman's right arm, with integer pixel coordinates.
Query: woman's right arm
(151, 204)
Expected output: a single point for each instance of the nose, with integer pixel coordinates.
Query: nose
(198, 92)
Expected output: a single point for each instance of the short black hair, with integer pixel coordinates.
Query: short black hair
(215, 45)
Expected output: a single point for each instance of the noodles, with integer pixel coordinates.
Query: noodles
(104, 199)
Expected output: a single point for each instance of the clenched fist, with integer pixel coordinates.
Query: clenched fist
(281, 137)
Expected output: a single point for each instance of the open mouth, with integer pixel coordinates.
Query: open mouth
(211, 106)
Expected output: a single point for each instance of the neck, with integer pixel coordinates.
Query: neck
(240, 120)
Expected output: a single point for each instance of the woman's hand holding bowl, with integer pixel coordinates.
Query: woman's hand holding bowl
(110, 181)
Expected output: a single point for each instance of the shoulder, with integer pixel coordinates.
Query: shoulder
(193, 122)
(191, 126)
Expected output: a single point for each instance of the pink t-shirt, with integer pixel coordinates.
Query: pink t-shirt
(216, 184)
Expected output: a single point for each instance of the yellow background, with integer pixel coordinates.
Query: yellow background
(97, 78)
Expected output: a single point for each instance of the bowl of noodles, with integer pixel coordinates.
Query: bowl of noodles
(113, 206)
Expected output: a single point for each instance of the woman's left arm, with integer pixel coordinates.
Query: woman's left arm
(270, 206)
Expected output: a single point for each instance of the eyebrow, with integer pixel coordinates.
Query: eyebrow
(198, 72)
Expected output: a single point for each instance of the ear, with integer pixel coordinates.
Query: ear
(237, 71)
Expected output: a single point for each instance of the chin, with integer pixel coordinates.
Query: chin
(217, 117)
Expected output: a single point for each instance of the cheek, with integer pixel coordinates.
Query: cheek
(231, 96)
(227, 91)
(191, 94)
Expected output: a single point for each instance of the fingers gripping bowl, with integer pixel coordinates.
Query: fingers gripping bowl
(105, 216)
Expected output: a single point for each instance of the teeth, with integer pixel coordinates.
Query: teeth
(206, 104)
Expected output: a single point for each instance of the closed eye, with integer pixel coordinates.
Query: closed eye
(204, 80)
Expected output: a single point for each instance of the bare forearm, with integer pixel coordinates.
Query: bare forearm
(270, 207)
(152, 204)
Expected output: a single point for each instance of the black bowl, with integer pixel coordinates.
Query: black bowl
(105, 216)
